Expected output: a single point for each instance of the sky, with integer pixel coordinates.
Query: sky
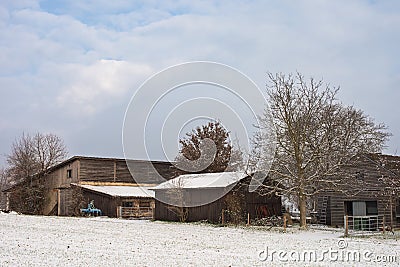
(71, 67)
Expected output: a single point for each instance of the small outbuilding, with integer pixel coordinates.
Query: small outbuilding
(375, 203)
(120, 200)
(213, 197)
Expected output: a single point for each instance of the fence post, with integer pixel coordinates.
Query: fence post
(223, 217)
(383, 224)
(284, 223)
(346, 232)
(248, 219)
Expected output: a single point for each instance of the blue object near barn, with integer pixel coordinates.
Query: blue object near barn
(91, 210)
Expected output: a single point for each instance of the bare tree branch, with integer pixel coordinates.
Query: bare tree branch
(317, 137)
(28, 162)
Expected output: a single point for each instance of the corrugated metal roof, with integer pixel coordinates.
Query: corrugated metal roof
(202, 180)
(120, 191)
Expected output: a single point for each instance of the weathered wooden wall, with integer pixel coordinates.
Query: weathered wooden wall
(254, 201)
(57, 178)
(70, 201)
(116, 170)
(369, 170)
(156, 172)
(212, 211)
(65, 202)
(336, 207)
(96, 170)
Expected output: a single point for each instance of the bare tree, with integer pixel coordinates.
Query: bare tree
(30, 158)
(35, 154)
(3, 177)
(316, 137)
(177, 198)
(49, 150)
(22, 161)
(234, 202)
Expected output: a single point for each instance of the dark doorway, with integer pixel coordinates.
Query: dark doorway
(361, 208)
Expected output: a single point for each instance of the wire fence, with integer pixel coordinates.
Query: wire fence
(364, 223)
(360, 225)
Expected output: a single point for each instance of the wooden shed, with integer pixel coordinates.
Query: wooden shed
(227, 193)
(378, 200)
(118, 199)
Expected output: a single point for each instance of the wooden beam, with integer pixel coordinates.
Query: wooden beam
(113, 183)
(115, 170)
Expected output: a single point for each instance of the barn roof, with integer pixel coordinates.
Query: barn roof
(202, 180)
(120, 190)
(59, 165)
(72, 159)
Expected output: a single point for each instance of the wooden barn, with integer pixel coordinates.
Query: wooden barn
(227, 193)
(378, 200)
(62, 198)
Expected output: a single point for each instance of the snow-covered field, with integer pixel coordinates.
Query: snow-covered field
(60, 241)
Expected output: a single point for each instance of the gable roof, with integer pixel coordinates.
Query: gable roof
(202, 180)
(72, 159)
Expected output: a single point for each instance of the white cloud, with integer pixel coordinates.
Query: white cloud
(90, 89)
(84, 58)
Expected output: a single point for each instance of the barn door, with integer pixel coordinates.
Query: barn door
(359, 208)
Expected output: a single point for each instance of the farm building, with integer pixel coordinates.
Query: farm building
(377, 200)
(226, 192)
(117, 199)
(65, 182)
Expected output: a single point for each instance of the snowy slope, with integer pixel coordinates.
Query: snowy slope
(61, 241)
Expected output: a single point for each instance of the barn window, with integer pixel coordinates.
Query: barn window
(361, 208)
(127, 204)
(398, 208)
(372, 207)
(69, 173)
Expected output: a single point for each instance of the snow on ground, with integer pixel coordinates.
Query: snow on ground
(61, 241)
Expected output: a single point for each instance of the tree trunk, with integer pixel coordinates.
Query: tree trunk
(391, 211)
(303, 211)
